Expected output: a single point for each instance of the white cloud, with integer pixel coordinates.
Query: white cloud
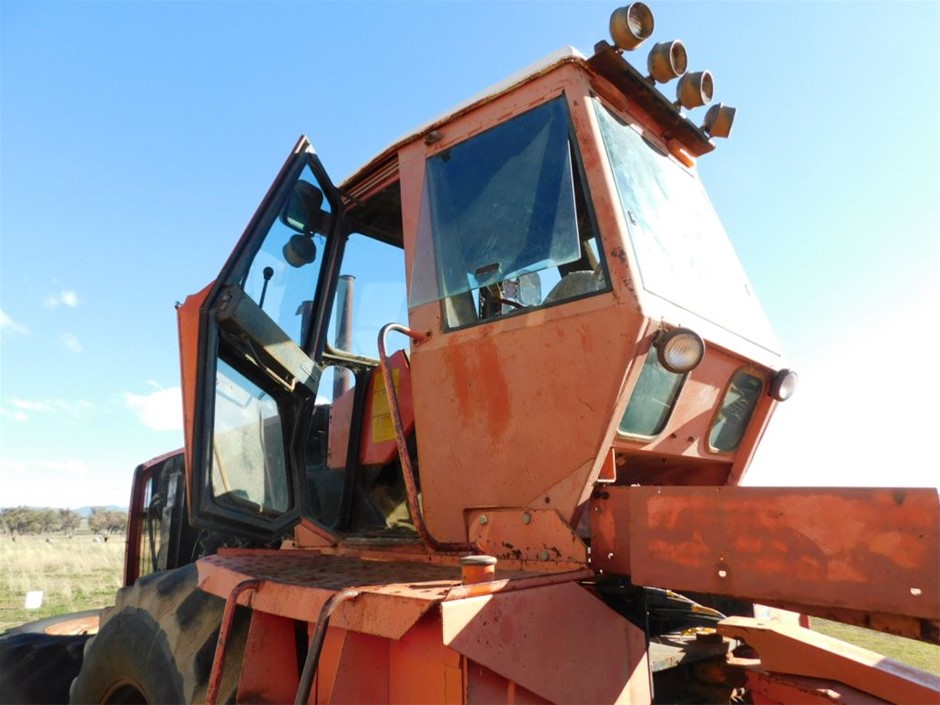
(63, 298)
(10, 327)
(29, 405)
(161, 410)
(71, 342)
(23, 408)
(15, 415)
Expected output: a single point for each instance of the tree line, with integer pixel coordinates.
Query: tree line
(46, 520)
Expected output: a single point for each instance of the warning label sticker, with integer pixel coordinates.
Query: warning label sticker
(382, 427)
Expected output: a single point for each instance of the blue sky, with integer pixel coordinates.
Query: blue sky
(136, 140)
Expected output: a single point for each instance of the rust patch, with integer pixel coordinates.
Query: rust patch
(480, 386)
(619, 254)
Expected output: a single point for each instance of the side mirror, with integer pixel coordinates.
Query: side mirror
(300, 250)
(302, 212)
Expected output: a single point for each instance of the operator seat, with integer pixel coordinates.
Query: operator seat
(575, 284)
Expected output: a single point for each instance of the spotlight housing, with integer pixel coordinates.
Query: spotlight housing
(631, 25)
(666, 61)
(783, 384)
(680, 350)
(718, 120)
(695, 89)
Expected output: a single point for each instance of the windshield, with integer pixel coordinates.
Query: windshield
(680, 246)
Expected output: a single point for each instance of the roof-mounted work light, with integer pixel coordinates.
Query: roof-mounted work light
(718, 120)
(631, 25)
(667, 60)
(695, 89)
(783, 385)
(680, 350)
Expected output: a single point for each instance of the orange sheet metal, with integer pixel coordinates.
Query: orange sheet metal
(394, 594)
(776, 689)
(786, 648)
(558, 641)
(296, 584)
(269, 666)
(188, 323)
(538, 536)
(872, 550)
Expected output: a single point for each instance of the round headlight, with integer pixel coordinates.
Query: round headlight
(695, 89)
(783, 385)
(630, 26)
(680, 350)
(666, 61)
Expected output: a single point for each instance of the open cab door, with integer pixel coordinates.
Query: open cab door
(247, 347)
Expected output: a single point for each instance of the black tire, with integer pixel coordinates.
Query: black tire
(157, 643)
(38, 668)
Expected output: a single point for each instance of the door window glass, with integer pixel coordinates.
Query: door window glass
(249, 468)
(282, 278)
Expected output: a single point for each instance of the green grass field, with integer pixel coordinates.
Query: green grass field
(77, 574)
(74, 574)
(915, 653)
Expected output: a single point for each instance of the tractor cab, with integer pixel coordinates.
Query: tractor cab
(568, 311)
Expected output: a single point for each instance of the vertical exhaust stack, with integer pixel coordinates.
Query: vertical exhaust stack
(344, 302)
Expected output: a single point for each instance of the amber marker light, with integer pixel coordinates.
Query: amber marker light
(718, 120)
(666, 61)
(630, 26)
(783, 385)
(695, 89)
(680, 350)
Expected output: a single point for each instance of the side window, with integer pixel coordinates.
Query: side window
(370, 293)
(735, 413)
(346, 490)
(151, 538)
(282, 277)
(653, 399)
(509, 220)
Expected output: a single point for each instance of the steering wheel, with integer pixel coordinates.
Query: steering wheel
(509, 302)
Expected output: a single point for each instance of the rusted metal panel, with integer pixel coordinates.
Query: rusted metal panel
(787, 648)
(493, 391)
(558, 641)
(775, 689)
(610, 530)
(535, 535)
(873, 550)
(296, 584)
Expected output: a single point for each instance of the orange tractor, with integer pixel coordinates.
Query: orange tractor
(499, 500)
